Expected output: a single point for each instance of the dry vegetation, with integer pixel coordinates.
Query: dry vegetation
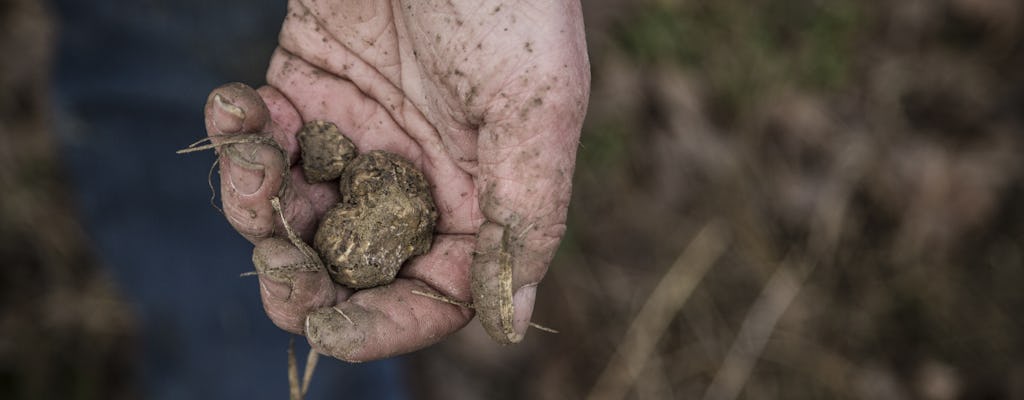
(800, 199)
(63, 332)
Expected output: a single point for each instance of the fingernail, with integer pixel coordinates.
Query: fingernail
(278, 290)
(227, 117)
(522, 310)
(272, 283)
(244, 173)
(331, 333)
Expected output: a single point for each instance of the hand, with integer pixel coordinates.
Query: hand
(487, 99)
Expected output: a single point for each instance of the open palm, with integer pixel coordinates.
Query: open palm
(487, 99)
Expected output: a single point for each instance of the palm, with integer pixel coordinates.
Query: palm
(486, 101)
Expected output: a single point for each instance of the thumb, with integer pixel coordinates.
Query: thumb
(524, 183)
(291, 285)
(528, 107)
(509, 264)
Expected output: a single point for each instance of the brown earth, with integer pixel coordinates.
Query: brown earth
(64, 333)
(794, 199)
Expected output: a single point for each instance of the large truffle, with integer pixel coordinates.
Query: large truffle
(386, 216)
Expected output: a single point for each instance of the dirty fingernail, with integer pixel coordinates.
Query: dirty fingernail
(335, 333)
(244, 174)
(522, 310)
(227, 117)
(276, 289)
(272, 283)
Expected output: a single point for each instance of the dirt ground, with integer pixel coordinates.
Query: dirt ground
(64, 332)
(797, 199)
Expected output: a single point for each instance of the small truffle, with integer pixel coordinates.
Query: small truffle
(325, 151)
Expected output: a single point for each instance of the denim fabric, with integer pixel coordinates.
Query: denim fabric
(131, 79)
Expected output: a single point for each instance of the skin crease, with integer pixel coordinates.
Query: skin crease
(486, 98)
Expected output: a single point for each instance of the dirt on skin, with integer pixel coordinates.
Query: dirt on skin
(386, 215)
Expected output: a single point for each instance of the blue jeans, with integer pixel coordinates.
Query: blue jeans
(131, 79)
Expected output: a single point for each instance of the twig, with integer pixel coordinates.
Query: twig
(664, 302)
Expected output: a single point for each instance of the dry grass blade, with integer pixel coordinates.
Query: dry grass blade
(298, 391)
(195, 147)
(307, 375)
(443, 299)
(782, 288)
(542, 328)
(757, 328)
(209, 182)
(295, 391)
(338, 310)
(449, 300)
(296, 241)
(665, 301)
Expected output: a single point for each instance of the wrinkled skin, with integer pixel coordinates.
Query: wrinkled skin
(486, 98)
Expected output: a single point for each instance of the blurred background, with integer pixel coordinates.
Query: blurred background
(773, 200)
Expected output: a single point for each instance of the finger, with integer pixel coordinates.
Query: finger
(284, 121)
(256, 131)
(390, 320)
(310, 201)
(291, 285)
(445, 268)
(383, 322)
(250, 172)
(235, 109)
(526, 150)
